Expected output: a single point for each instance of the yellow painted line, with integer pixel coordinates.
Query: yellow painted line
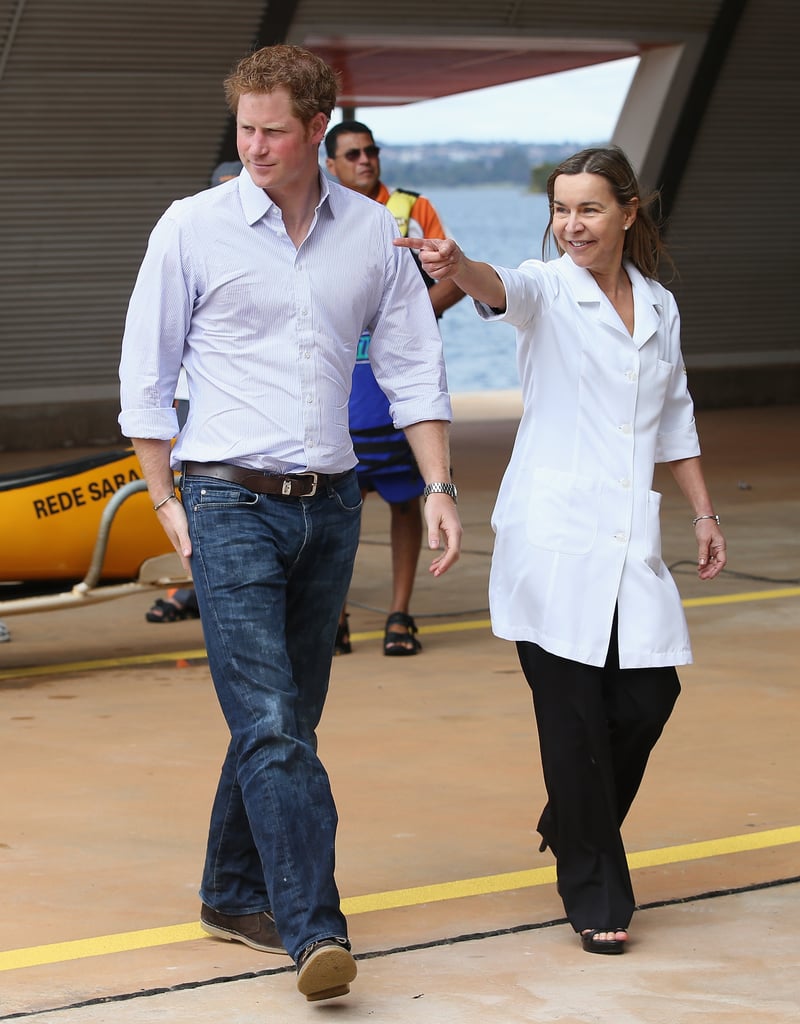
(542, 876)
(445, 627)
(123, 942)
(85, 666)
(715, 847)
(755, 595)
(448, 627)
(442, 891)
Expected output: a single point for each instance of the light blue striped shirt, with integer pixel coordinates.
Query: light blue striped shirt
(267, 333)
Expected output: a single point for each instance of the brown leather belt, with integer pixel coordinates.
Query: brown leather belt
(292, 485)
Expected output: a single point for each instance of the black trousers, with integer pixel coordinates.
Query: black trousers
(597, 727)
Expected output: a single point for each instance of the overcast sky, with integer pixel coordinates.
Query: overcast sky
(574, 106)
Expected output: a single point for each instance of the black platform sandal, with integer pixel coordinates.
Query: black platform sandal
(592, 944)
(180, 604)
(397, 644)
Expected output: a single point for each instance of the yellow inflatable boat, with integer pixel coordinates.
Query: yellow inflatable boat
(51, 517)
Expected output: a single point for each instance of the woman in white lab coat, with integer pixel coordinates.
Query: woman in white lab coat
(577, 577)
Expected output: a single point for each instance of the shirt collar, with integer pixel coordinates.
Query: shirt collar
(256, 203)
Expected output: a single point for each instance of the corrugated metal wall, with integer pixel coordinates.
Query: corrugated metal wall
(109, 109)
(735, 215)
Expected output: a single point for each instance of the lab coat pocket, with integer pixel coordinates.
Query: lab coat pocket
(658, 389)
(653, 533)
(562, 512)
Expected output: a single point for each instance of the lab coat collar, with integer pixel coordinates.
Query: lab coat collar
(647, 305)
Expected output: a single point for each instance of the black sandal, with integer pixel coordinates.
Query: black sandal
(592, 944)
(172, 609)
(343, 645)
(397, 644)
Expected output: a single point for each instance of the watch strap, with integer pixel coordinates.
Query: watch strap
(439, 487)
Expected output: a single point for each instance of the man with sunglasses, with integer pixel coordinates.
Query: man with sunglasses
(386, 462)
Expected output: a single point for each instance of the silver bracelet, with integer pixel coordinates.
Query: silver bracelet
(163, 501)
(697, 519)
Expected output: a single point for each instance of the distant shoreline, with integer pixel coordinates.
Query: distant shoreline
(453, 164)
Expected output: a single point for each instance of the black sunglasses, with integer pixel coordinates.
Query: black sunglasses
(351, 155)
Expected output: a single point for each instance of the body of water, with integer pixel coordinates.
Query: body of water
(501, 225)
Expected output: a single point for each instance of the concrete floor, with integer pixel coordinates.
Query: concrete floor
(110, 741)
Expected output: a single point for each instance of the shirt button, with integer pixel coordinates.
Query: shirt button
(309, 399)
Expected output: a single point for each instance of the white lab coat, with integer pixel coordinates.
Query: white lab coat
(576, 520)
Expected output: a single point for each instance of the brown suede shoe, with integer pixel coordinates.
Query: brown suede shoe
(255, 930)
(325, 969)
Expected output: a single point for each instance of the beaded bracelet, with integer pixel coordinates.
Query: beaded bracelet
(697, 519)
(163, 501)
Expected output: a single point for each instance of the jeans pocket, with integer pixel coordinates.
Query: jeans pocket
(220, 495)
(347, 495)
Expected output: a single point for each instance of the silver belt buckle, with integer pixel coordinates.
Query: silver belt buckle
(286, 486)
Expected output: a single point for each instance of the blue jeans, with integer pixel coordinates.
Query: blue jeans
(271, 575)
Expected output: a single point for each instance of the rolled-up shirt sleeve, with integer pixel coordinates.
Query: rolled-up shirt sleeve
(406, 347)
(156, 325)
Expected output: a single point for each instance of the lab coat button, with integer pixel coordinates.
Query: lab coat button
(625, 428)
(625, 482)
(620, 537)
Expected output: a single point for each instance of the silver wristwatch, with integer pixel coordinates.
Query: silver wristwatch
(440, 488)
